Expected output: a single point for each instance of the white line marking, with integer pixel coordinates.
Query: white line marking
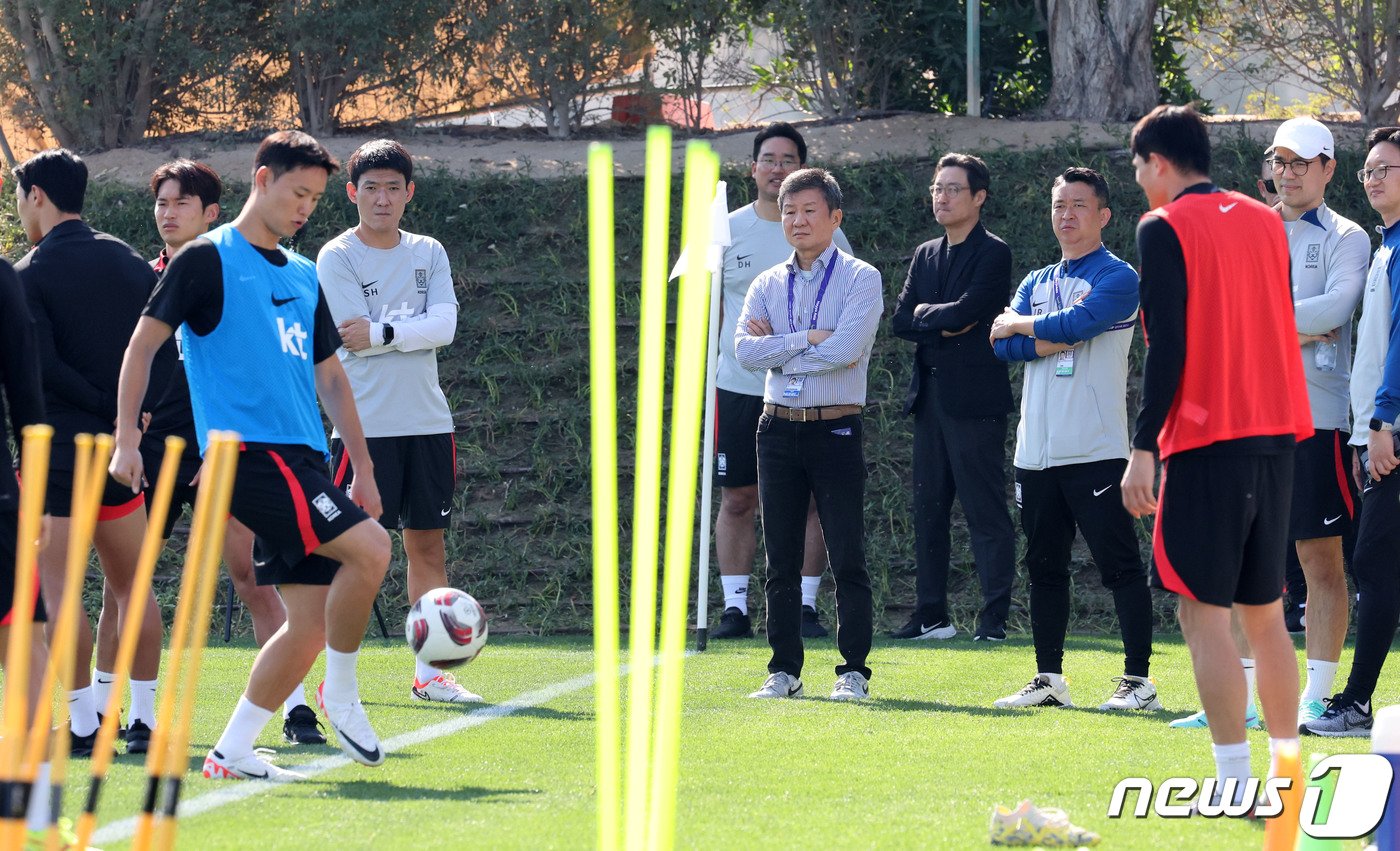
(232, 793)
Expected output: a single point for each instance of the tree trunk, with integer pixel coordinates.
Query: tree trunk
(1101, 59)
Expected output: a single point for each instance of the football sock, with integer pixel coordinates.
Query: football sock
(736, 592)
(341, 685)
(424, 672)
(82, 712)
(143, 702)
(101, 689)
(295, 699)
(810, 586)
(244, 726)
(1320, 678)
(36, 817)
(1232, 761)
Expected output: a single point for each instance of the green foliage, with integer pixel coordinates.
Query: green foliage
(517, 374)
(99, 73)
(1177, 22)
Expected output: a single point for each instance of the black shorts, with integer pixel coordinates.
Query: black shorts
(9, 539)
(117, 499)
(416, 475)
(152, 454)
(736, 430)
(1221, 533)
(284, 494)
(1324, 495)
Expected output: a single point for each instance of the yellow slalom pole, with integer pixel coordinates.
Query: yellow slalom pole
(687, 408)
(646, 509)
(87, 502)
(174, 659)
(206, 563)
(131, 631)
(602, 322)
(34, 473)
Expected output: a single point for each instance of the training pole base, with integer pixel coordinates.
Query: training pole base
(702, 638)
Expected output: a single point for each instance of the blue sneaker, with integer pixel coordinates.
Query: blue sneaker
(1198, 720)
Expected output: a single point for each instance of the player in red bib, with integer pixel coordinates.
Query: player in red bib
(1223, 404)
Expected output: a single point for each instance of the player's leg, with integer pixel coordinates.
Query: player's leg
(118, 542)
(280, 666)
(814, 557)
(265, 606)
(735, 546)
(736, 476)
(105, 654)
(82, 709)
(1049, 526)
(1198, 720)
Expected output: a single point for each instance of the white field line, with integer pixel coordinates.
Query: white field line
(232, 793)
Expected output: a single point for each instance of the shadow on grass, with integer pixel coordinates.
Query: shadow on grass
(380, 790)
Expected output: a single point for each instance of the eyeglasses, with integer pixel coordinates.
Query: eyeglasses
(770, 162)
(1298, 167)
(951, 190)
(1379, 172)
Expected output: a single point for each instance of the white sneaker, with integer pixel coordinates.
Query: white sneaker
(443, 688)
(1132, 693)
(352, 729)
(851, 685)
(251, 767)
(779, 685)
(1038, 692)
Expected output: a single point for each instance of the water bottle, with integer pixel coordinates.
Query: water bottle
(1326, 356)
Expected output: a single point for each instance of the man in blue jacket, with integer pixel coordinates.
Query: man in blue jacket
(1072, 324)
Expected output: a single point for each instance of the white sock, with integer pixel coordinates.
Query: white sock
(341, 685)
(423, 671)
(1232, 761)
(736, 592)
(143, 702)
(1320, 678)
(244, 727)
(1248, 665)
(36, 817)
(295, 699)
(810, 586)
(82, 712)
(101, 689)
(1056, 680)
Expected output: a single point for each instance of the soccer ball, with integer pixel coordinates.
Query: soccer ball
(446, 628)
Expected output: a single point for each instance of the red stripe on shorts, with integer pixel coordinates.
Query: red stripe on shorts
(1342, 473)
(33, 603)
(453, 438)
(339, 480)
(309, 540)
(1171, 580)
(117, 512)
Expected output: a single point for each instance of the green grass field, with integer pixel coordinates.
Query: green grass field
(918, 766)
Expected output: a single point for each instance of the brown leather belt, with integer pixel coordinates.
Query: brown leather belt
(811, 415)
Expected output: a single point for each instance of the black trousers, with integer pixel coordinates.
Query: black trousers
(963, 458)
(1377, 581)
(797, 462)
(1055, 501)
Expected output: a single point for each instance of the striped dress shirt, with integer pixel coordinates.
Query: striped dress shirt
(834, 370)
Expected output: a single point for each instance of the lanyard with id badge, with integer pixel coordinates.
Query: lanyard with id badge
(795, 382)
(1064, 361)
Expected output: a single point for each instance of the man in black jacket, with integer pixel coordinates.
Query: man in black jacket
(960, 396)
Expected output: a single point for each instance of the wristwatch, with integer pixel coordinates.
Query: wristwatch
(388, 333)
(1377, 425)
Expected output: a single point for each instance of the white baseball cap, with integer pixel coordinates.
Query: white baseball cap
(1306, 137)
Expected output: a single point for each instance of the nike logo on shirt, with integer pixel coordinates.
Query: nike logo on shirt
(1103, 491)
(1225, 208)
(278, 302)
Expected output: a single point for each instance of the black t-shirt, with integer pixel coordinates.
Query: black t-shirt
(192, 292)
(19, 375)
